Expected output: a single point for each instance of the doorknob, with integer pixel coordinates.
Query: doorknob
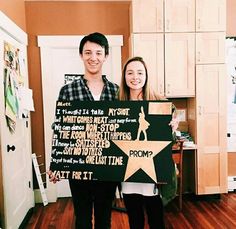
(11, 148)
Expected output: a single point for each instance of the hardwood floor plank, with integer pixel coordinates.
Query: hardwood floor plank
(209, 215)
(200, 214)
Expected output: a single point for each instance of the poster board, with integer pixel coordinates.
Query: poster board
(113, 141)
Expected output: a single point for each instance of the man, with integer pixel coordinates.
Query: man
(94, 50)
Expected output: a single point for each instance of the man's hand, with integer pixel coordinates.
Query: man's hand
(52, 178)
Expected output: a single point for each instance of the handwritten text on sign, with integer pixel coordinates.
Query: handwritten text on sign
(112, 141)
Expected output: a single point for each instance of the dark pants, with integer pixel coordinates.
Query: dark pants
(137, 204)
(92, 195)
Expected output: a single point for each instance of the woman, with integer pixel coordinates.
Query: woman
(139, 197)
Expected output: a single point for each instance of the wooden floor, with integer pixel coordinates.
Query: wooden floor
(202, 212)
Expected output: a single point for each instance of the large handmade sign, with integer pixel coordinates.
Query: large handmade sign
(113, 141)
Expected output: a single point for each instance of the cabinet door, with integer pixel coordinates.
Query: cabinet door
(210, 48)
(211, 129)
(146, 17)
(179, 64)
(151, 48)
(180, 15)
(210, 15)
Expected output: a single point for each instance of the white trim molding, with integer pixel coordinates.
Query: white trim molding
(73, 41)
(9, 27)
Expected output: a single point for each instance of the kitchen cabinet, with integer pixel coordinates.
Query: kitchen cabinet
(179, 15)
(170, 56)
(194, 67)
(210, 15)
(178, 60)
(211, 169)
(210, 48)
(162, 16)
(147, 18)
(210, 101)
(179, 65)
(151, 48)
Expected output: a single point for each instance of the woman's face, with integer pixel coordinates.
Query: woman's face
(135, 76)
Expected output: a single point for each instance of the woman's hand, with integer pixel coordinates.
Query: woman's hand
(52, 177)
(174, 123)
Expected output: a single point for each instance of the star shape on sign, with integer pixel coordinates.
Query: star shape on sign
(141, 154)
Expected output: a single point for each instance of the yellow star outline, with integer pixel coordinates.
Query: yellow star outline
(139, 161)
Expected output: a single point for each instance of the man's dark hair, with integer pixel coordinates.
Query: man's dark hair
(97, 38)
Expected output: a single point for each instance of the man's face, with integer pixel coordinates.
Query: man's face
(93, 56)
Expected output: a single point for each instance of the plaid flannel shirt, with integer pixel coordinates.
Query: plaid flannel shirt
(78, 90)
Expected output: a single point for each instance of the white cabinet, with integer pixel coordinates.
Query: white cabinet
(162, 15)
(210, 15)
(211, 129)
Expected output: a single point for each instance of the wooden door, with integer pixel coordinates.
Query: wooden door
(147, 17)
(180, 16)
(17, 195)
(151, 48)
(179, 65)
(211, 129)
(210, 15)
(210, 48)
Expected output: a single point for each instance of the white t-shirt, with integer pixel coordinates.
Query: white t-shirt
(145, 189)
(96, 97)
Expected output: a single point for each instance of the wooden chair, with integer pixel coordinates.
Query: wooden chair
(177, 155)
